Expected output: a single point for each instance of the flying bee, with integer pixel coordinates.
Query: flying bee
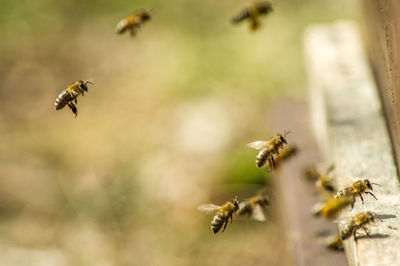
(333, 206)
(222, 215)
(324, 182)
(360, 220)
(334, 242)
(69, 95)
(268, 149)
(357, 188)
(254, 207)
(133, 22)
(252, 13)
(285, 154)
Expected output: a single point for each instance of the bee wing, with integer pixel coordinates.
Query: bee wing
(343, 220)
(258, 214)
(208, 207)
(258, 145)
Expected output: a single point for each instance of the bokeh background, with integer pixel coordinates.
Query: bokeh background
(162, 130)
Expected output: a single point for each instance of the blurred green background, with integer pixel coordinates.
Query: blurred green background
(162, 130)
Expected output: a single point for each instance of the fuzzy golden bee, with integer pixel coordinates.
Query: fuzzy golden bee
(222, 215)
(357, 189)
(133, 22)
(252, 13)
(331, 208)
(268, 149)
(254, 207)
(69, 95)
(360, 220)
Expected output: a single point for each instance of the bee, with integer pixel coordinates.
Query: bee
(285, 154)
(324, 182)
(333, 206)
(133, 22)
(268, 149)
(334, 242)
(358, 221)
(311, 173)
(222, 215)
(252, 13)
(357, 188)
(69, 95)
(254, 207)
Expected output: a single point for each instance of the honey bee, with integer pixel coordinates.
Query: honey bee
(133, 22)
(268, 149)
(333, 206)
(252, 13)
(311, 173)
(334, 242)
(69, 95)
(285, 154)
(358, 221)
(254, 207)
(357, 188)
(324, 182)
(222, 215)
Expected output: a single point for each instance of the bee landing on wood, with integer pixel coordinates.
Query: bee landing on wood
(360, 220)
(252, 13)
(222, 215)
(133, 22)
(268, 149)
(69, 95)
(254, 207)
(357, 189)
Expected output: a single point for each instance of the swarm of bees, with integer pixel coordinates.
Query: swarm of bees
(252, 14)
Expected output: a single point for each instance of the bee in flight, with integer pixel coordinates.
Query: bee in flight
(360, 220)
(69, 95)
(252, 13)
(268, 149)
(133, 22)
(357, 189)
(254, 207)
(331, 208)
(222, 215)
(285, 154)
(334, 242)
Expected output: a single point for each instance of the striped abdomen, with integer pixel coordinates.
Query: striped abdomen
(347, 230)
(62, 100)
(218, 221)
(262, 157)
(124, 24)
(348, 191)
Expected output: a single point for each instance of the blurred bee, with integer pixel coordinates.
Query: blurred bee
(357, 188)
(331, 208)
(311, 173)
(285, 154)
(324, 182)
(252, 13)
(268, 149)
(254, 207)
(222, 215)
(70, 94)
(334, 242)
(358, 221)
(133, 22)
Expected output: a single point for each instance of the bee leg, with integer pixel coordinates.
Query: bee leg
(352, 206)
(371, 194)
(366, 230)
(73, 108)
(225, 223)
(359, 194)
(273, 161)
(354, 234)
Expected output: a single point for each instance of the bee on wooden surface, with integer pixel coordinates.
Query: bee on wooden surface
(360, 220)
(268, 149)
(357, 189)
(222, 215)
(252, 13)
(285, 154)
(331, 208)
(133, 22)
(334, 242)
(69, 95)
(254, 207)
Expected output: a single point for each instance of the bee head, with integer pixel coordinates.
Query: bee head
(371, 216)
(83, 84)
(282, 136)
(264, 7)
(235, 202)
(146, 16)
(368, 184)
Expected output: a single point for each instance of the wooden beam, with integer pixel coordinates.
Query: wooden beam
(349, 124)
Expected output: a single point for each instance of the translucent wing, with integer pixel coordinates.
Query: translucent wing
(258, 214)
(258, 145)
(208, 207)
(343, 220)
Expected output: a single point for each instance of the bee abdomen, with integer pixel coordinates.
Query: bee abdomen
(346, 231)
(62, 100)
(217, 222)
(261, 158)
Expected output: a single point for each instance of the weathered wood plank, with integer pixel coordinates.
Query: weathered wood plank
(350, 125)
